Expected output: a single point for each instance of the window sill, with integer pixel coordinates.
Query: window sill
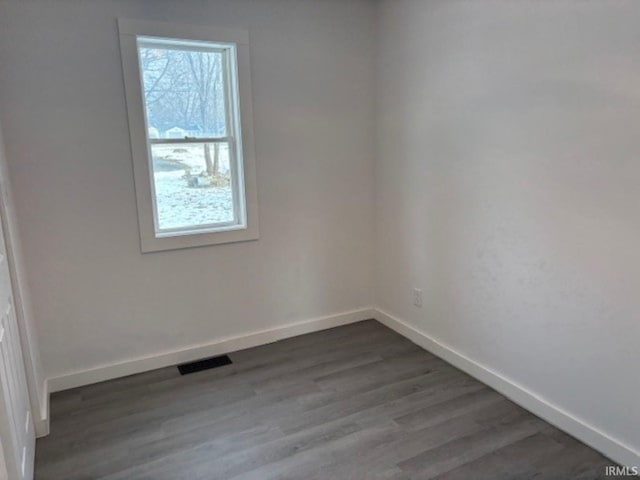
(203, 239)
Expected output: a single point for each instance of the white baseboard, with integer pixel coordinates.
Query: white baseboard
(42, 424)
(218, 347)
(598, 440)
(608, 446)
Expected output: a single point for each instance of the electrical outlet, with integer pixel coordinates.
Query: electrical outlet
(417, 297)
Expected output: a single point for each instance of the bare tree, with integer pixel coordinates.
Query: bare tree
(156, 64)
(206, 75)
(183, 87)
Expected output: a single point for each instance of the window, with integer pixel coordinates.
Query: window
(188, 101)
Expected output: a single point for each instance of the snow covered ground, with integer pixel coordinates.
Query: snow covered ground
(179, 205)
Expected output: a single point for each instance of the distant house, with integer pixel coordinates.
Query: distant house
(183, 131)
(176, 132)
(154, 132)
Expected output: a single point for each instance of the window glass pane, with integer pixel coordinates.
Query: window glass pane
(193, 187)
(184, 92)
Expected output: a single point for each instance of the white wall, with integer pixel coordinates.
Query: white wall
(507, 185)
(22, 301)
(97, 299)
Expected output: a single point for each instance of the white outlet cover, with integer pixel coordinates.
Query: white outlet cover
(417, 297)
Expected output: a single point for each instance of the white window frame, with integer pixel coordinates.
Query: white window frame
(239, 136)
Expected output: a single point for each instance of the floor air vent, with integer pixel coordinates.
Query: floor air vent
(206, 364)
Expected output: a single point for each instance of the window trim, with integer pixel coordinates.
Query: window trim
(129, 31)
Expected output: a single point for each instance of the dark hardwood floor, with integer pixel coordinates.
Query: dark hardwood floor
(351, 403)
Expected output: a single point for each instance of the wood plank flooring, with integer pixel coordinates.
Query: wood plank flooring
(351, 403)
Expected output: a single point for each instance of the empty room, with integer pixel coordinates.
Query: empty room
(319, 239)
